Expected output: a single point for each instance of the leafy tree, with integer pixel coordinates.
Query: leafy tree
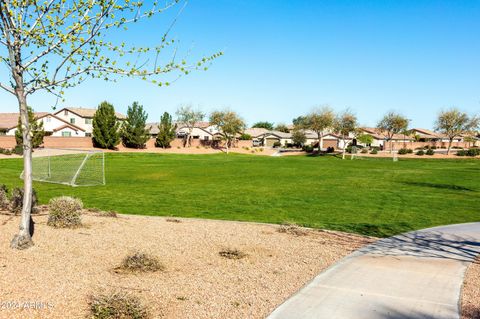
(392, 123)
(189, 117)
(36, 127)
(282, 128)
(265, 125)
(105, 127)
(345, 124)
(229, 124)
(365, 139)
(166, 133)
(320, 121)
(454, 123)
(133, 132)
(298, 136)
(245, 137)
(299, 121)
(53, 45)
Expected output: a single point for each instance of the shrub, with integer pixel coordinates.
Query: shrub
(461, 153)
(420, 153)
(141, 262)
(402, 151)
(117, 305)
(65, 212)
(364, 151)
(232, 253)
(473, 152)
(308, 148)
(18, 150)
(4, 202)
(330, 149)
(260, 149)
(430, 152)
(277, 144)
(374, 151)
(292, 229)
(16, 201)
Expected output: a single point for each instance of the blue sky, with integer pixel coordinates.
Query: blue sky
(282, 58)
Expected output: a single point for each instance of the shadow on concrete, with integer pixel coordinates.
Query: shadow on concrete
(430, 244)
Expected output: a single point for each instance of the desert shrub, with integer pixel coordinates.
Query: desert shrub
(364, 151)
(18, 150)
(277, 144)
(461, 153)
(374, 151)
(141, 262)
(433, 147)
(308, 148)
(65, 212)
(260, 149)
(430, 152)
(473, 152)
(232, 253)
(420, 153)
(457, 148)
(4, 202)
(7, 152)
(247, 148)
(402, 151)
(292, 229)
(330, 149)
(16, 201)
(117, 305)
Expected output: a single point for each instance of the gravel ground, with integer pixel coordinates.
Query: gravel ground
(66, 266)
(471, 292)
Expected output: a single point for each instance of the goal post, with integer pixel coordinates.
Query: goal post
(72, 167)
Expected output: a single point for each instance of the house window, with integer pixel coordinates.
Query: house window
(88, 121)
(49, 119)
(66, 134)
(88, 134)
(206, 138)
(65, 112)
(72, 120)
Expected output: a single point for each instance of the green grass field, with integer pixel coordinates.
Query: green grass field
(368, 196)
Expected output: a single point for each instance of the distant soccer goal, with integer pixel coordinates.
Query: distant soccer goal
(69, 167)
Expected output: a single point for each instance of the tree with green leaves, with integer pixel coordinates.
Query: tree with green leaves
(299, 121)
(366, 139)
(166, 131)
(282, 128)
(390, 125)
(133, 131)
(189, 118)
(320, 120)
(36, 128)
(453, 123)
(229, 123)
(54, 45)
(298, 136)
(264, 124)
(345, 125)
(105, 127)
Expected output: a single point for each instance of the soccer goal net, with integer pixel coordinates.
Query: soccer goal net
(69, 166)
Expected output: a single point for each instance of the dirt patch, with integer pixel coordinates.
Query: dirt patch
(68, 266)
(471, 292)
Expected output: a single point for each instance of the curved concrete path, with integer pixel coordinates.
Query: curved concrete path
(413, 275)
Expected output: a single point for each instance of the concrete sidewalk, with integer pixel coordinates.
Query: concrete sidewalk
(413, 275)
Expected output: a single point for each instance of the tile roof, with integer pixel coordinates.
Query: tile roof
(87, 112)
(10, 120)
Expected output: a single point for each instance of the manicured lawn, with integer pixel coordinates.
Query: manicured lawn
(368, 196)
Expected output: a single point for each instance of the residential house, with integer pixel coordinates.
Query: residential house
(82, 118)
(203, 131)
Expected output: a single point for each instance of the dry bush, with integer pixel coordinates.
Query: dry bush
(117, 305)
(16, 201)
(173, 220)
(65, 212)
(232, 253)
(292, 229)
(141, 262)
(4, 202)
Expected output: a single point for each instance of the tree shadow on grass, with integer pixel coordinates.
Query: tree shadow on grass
(442, 186)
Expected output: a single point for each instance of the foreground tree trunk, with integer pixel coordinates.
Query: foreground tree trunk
(450, 140)
(23, 239)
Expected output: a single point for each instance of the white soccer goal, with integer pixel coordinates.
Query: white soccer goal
(69, 166)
